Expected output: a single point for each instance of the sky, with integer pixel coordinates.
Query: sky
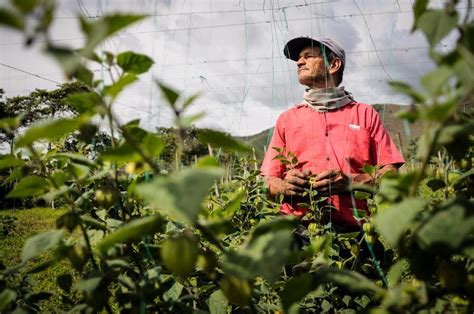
(232, 52)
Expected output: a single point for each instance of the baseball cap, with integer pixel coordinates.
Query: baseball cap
(293, 47)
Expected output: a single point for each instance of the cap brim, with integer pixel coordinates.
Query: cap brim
(293, 47)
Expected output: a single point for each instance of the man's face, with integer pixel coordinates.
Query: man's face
(311, 69)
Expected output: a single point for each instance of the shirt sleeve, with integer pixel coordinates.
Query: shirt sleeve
(270, 166)
(383, 150)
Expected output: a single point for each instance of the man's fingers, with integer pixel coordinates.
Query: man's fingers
(326, 174)
(298, 181)
(296, 173)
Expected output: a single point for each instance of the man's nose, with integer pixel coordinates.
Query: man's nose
(300, 61)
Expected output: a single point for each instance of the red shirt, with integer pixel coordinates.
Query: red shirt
(345, 139)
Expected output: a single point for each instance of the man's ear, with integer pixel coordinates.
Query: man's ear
(336, 64)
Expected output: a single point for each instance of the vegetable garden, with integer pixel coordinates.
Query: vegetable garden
(202, 235)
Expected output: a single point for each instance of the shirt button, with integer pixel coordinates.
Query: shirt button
(327, 134)
(327, 159)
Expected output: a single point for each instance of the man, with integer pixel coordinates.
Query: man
(331, 135)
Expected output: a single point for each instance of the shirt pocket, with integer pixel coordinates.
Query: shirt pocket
(358, 148)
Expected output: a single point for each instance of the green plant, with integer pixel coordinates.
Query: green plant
(201, 237)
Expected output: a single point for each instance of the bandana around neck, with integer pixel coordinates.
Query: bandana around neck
(326, 99)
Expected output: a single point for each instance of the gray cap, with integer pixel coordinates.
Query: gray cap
(293, 47)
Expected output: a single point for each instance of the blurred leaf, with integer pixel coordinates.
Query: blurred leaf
(133, 230)
(442, 111)
(99, 29)
(83, 74)
(7, 296)
(76, 158)
(435, 80)
(218, 303)
(188, 120)
(207, 161)
(280, 223)
(191, 99)
(41, 243)
(353, 282)
(403, 214)
(66, 57)
(447, 228)
(25, 6)
(419, 7)
(263, 257)
(404, 88)
(9, 161)
(11, 124)
(396, 271)
(122, 153)
(219, 139)
(296, 288)
(125, 80)
(29, 186)
(169, 93)
(49, 130)
(85, 102)
(180, 196)
(10, 19)
(134, 63)
(436, 24)
(89, 285)
(153, 145)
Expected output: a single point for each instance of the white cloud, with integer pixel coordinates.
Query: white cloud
(232, 52)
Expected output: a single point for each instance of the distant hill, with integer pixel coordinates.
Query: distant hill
(400, 133)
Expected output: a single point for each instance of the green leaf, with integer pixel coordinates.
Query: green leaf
(218, 303)
(448, 228)
(434, 81)
(122, 153)
(153, 145)
(29, 186)
(83, 74)
(207, 161)
(403, 214)
(436, 24)
(136, 229)
(49, 130)
(169, 93)
(6, 297)
(263, 257)
(396, 272)
(85, 102)
(25, 6)
(442, 111)
(404, 88)
(125, 80)
(134, 63)
(226, 142)
(188, 120)
(41, 243)
(419, 8)
(9, 161)
(295, 290)
(89, 285)
(10, 124)
(353, 282)
(66, 57)
(180, 196)
(231, 207)
(280, 223)
(188, 101)
(174, 292)
(10, 19)
(100, 29)
(76, 158)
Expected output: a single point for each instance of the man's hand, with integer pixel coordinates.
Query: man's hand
(294, 183)
(331, 181)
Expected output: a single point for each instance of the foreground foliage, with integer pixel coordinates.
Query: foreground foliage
(204, 237)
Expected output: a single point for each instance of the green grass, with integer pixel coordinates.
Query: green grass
(18, 226)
